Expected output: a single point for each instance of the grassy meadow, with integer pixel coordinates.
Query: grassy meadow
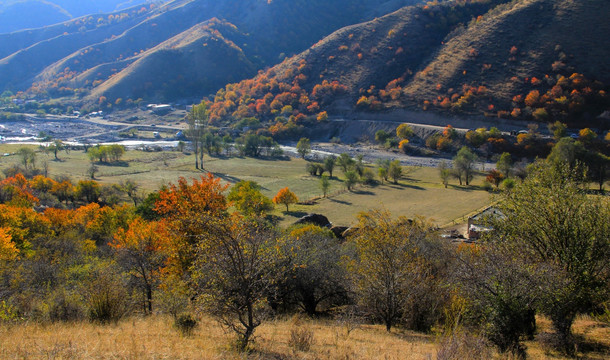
(155, 338)
(418, 193)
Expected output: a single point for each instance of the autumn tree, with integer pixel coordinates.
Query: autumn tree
(286, 197)
(404, 131)
(494, 177)
(142, 251)
(247, 197)
(191, 211)
(388, 264)
(304, 147)
(232, 275)
(314, 279)
(8, 250)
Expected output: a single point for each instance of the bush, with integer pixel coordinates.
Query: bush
(107, 298)
(311, 168)
(301, 338)
(185, 324)
(368, 177)
(65, 307)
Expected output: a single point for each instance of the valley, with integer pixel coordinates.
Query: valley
(305, 179)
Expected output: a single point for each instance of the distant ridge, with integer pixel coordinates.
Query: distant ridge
(92, 56)
(532, 60)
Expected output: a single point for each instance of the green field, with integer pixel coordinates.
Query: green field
(420, 193)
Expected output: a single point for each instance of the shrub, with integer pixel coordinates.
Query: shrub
(65, 307)
(106, 298)
(301, 338)
(185, 324)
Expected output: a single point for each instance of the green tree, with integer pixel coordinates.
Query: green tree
(395, 171)
(27, 156)
(324, 184)
(444, 172)
(504, 164)
(381, 136)
(329, 164)
(56, 147)
(598, 166)
(247, 197)
(315, 279)
(88, 190)
(551, 222)
(304, 147)
(566, 151)
(351, 179)
(464, 163)
(345, 162)
(197, 120)
(559, 129)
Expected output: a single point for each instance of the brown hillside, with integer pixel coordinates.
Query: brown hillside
(539, 60)
(195, 60)
(515, 43)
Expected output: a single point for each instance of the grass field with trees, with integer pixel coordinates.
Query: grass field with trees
(187, 253)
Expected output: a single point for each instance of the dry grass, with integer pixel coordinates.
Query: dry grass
(155, 338)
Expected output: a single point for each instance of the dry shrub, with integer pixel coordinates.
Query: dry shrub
(106, 297)
(301, 336)
(185, 323)
(458, 346)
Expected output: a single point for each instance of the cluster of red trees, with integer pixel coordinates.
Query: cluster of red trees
(269, 97)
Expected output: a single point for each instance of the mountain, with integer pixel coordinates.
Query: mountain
(126, 54)
(541, 60)
(28, 14)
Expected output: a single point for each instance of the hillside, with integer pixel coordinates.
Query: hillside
(62, 58)
(472, 58)
(17, 15)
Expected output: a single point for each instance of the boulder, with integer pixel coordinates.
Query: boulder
(338, 231)
(316, 219)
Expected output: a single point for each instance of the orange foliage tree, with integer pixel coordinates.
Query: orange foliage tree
(191, 211)
(141, 250)
(286, 197)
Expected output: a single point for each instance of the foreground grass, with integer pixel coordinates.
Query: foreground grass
(419, 193)
(154, 338)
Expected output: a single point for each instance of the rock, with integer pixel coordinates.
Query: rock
(350, 232)
(316, 219)
(338, 231)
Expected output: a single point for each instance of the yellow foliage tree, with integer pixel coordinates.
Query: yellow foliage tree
(8, 250)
